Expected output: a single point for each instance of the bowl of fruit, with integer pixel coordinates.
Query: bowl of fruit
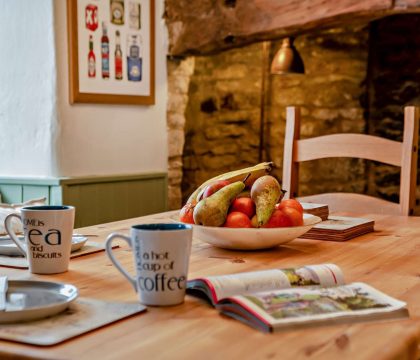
(245, 210)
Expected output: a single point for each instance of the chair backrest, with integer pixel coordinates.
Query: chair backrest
(402, 154)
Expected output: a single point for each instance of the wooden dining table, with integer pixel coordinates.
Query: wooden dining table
(388, 259)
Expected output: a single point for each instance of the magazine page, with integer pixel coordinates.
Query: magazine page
(299, 305)
(258, 281)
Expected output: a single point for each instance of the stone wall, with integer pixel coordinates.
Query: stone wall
(393, 82)
(179, 74)
(357, 80)
(223, 112)
(222, 115)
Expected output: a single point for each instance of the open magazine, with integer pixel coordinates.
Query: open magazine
(286, 298)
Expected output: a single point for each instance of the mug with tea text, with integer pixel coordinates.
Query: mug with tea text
(48, 234)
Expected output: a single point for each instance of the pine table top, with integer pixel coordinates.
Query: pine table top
(388, 259)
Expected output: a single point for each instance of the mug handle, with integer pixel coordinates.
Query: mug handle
(108, 249)
(9, 229)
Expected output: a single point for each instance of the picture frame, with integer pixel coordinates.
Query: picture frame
(111, 47)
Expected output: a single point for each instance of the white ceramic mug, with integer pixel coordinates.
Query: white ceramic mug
(161, 257)
(48, 234)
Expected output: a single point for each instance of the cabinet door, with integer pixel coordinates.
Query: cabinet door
(35, 192)
(11, 194)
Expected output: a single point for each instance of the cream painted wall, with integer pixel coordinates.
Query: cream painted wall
(110, 139)
(27, 88)
(41, 134)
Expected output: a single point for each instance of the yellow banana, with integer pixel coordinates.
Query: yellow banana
(255, 172)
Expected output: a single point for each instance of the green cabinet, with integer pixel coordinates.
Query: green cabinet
(98, 199)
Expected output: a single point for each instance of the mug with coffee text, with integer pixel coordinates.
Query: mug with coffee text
(161, 256)
(48, 234)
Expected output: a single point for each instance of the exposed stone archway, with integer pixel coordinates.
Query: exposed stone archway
(214, 99)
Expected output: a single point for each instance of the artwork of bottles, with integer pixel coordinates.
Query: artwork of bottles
(91, 59)
(134, 60)
(119, 40)
(134, 13)
(118, 57)
(117, 12)
(105, 52)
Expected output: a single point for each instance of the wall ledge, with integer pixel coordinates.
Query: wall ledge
(23, 180)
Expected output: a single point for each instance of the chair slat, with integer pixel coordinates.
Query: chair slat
(403, 154)
(349, 145)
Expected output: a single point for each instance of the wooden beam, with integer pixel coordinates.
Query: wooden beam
(202, 27)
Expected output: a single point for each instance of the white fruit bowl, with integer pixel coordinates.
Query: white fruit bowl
(252, 239)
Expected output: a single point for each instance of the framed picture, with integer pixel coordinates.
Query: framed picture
(111, 51)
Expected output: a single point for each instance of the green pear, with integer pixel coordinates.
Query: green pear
(266, 192)
(212, 211)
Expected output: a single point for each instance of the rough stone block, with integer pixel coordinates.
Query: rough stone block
(219, 162)
(177, 103)
(183, 67)
(231, 71)
(175, 162)
(179, 85)
(353, 126)
(225, 148)
(325, 113)
(176, 142)
(292, 97)
(175, 120)
(353, 114)
(227, 131)
(174, 197)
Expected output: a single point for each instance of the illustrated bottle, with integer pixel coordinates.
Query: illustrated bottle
(105, 52)
(134, 61)
(134, 15)
(91, 59)
(118, 57)
(91, 17)
(117, 12)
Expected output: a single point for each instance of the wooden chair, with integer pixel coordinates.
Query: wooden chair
(402, 154)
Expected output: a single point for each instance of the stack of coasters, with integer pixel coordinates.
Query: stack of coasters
(320, 210)
(340, 228)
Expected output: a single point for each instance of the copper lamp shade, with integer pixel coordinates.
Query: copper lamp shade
(287, 59)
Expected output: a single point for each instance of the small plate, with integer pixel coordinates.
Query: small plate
(30, 300)
(252, 238)
(9, 248)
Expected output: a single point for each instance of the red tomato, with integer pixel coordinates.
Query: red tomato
(294, 215)
(290, 203)
(244, 205)
(278, 219)
(186, 214)
(237, 219)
